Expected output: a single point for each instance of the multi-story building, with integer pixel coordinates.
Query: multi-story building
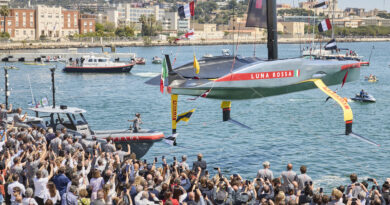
(171, 21)
(70, 24)
(44, 21)
(125, 14)
(4, 2)
(86, 24)
(24, 28)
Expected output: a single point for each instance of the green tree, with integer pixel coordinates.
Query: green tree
(150, 27)
(4, 11)
(126, 31)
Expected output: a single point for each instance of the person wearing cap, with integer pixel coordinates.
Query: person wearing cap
(265, 173)
(136, 123)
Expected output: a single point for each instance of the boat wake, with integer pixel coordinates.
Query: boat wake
(146, 74)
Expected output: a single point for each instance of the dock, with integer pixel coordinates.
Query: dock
(69, 54)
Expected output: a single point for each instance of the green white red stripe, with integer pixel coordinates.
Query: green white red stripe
(297, 73)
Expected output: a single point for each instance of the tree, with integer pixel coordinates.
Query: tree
(126, 31)
(4, 11)
(150, 27)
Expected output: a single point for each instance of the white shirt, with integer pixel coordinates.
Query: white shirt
(29, 201)
(96, 184)
(11, 191)
(40, 186)
(54, 199)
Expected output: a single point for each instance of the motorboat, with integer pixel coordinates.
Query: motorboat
(140, 61)
(156, 60)
(225, 52)
(371, 79)
(54, 59)
(93, 64)
(207, 55)
(364, 98)
(74, 120)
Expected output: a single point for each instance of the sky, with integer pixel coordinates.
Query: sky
(367, 4)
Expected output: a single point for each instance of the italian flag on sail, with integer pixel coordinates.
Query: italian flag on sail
(297, 73)
(164, 74)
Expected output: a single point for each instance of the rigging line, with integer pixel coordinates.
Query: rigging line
(32, 94)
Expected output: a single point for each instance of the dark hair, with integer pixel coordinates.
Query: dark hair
(303, 169)
(325, 199)
(353, 178)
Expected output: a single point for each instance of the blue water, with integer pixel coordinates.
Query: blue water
(297, 128)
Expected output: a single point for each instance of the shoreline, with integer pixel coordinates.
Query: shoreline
(77, 44)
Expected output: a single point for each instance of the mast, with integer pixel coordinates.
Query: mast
(53, 86)
(6, 86)
(272, 30)
(333, 8)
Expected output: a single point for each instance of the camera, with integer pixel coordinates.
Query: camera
(215, 168)
(321, 190)
(370, 179)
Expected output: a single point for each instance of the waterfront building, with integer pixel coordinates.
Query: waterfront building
(126, 14)
(24, 24)
(171, 21)
(4, 2)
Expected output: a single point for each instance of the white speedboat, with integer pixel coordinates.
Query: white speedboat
(93, 64)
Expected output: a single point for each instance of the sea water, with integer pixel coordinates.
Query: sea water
(298, 128)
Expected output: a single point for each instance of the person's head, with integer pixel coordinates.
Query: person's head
(96, 173)
(15, 177)
(325, 199)
(108, 139)
(200, 156)
(191, 196)
(138, 115)
(353, 177)
(303, 169)
(29, 193)
(341, 188)
(289, 166)
(2, 106)
(119, 147)
(100, 194)
(19, 110)
(49, 202)
(184, 158)
(16, 191)
(317, 199)
(73, 189)
(64, 130)
(52, 188)
(337, 194)
(61, 170)
(83, 193)
(266, 164)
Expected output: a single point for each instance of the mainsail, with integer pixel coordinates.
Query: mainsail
(257, 14)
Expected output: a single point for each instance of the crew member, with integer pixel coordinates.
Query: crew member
(362, 93)
(18, 119)
(136, 122)
(3, 115)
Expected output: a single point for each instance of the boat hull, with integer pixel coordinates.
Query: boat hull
(114, 69)
(140, 142)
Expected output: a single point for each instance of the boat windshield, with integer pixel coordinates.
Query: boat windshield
(103, 60)
(78, 119)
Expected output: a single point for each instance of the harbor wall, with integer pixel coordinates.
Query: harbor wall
(140, 43)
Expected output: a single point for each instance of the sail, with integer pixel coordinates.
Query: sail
(257, 14)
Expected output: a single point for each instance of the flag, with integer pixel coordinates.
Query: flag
(323, 4)
(164, 74)
(189, 34)
(185, 116)
(171, 139)
(45, 102)
(187, 10)
(324, 25)
(257, 14)
(331, 45)
(196, 65)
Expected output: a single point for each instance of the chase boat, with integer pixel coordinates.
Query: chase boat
(364, 98)
(74, 120)
(93, 64)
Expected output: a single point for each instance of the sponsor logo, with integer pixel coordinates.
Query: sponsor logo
(174, 110)
(337, 97)
(261, 75)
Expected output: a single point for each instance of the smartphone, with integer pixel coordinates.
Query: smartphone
(174, 158)
(321, 190)
(311, 183)
(163, 157)
(265, 179)
(235, 175)
(373, 187)
(155, 159)
(357, 184)
(206, 172)
(370, 179)
(258, 180)
(144, 161)
(215, 168)
(247, 182)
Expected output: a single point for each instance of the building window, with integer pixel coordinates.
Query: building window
(24, 14)
(17, 32)
(90, 24)
(32, 32)
(9, 23)
(31, 15)
(24, 24)
(85, 24)
(16, 14)
(17, 23)
(57, 16)
(50, 16)
(42, 15)
(24, 32)
(10, 31)
(68, 24)
(31, 23)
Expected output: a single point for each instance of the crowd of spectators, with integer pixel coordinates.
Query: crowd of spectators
(39, 166)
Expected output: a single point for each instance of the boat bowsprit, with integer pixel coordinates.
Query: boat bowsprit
(364, 98)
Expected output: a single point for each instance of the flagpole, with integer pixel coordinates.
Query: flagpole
(314, 23)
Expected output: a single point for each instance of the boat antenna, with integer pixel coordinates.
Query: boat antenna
(53, 87)
(333, 8)
(272, 31)
(32, 94)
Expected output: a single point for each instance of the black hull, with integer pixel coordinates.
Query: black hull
(117, 69)
(140, 148)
